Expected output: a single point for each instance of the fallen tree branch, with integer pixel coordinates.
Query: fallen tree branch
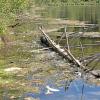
(63, 52)
(66, 53)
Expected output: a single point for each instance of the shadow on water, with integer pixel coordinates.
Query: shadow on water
(77, 90)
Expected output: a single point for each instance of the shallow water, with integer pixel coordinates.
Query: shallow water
(77, 90)
(45, 67)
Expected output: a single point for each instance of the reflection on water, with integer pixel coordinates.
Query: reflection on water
(74, 92)
(90, 14)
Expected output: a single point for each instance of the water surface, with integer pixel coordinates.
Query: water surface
(45, 67)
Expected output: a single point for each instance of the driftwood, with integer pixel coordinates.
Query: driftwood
(64, 53)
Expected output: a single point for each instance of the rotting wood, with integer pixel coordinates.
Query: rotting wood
(66, 54)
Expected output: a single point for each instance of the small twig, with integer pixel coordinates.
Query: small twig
(17, 24)
(67, 40)
(60, 38)
(82, 49)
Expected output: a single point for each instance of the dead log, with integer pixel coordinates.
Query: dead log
(66, 53)
(63, 52)
(56, 47)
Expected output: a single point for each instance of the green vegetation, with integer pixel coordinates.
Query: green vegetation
(9, 9)
(68, 1)
(22, 51)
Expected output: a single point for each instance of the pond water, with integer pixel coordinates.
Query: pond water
(41, 68)
(78, 90)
